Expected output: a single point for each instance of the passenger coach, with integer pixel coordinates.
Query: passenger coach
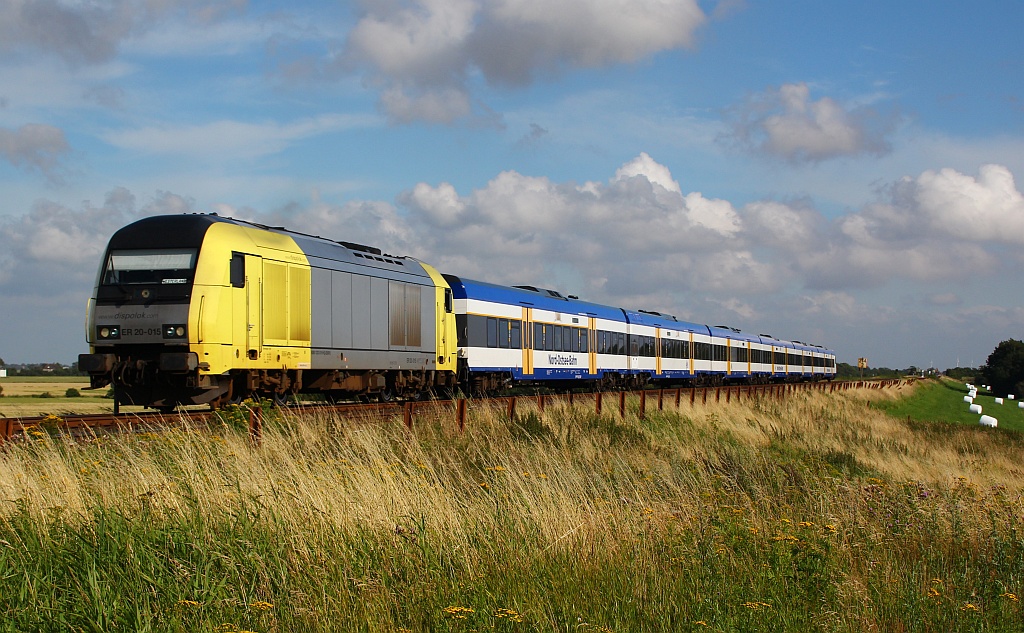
(530, 335)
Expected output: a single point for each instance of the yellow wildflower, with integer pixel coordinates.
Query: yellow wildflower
(757, 606)
(511, 615)
(458, 613)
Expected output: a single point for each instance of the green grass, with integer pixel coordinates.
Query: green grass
(943, 401)
(815, 513)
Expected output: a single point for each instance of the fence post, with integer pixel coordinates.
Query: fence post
(703, 395)
(693, 394)
(540, 403)
(597, 402)
(622, 404)
(728, 394)
(407, 413)
(512, 409)
(643, 403)
(460, 414)
(679, 395)
(256, 425)
(718, 394)
(661, 396)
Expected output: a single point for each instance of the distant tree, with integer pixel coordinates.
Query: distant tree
(2, 364)
(1004, 369)
(849, 372)
(961, 373)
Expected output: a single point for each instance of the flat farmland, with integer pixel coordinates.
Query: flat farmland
(42, 395)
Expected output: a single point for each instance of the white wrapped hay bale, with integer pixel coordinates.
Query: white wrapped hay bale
(999, 401)
(988, 420)
(968, 399)
(1010, 396)
(975, 408)
(1020, 405)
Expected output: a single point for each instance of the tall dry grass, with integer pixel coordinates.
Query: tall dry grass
(813, 511)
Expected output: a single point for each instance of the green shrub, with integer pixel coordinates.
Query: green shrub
(72, 393)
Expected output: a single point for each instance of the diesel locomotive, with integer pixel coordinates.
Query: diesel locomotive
(203, 309)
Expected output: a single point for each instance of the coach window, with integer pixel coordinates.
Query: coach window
(492, 332)
(476, 330)
(584, 340)
(573, 342)
(503, 333)
(515, 335)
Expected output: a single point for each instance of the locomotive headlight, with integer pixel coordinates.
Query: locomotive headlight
(108, 332)
(175, 331)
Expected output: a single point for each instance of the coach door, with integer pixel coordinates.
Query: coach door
(592, 345)
(527, 341)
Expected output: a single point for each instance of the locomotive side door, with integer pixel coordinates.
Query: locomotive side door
(253, 306)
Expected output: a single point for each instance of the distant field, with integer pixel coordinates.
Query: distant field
(22, 396)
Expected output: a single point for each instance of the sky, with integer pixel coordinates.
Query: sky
(846, 174)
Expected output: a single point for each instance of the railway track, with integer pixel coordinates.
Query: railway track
(11, 429)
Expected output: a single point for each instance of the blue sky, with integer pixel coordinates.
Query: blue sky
(842, 173)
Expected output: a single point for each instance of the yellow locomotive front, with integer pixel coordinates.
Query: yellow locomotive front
(155, 306)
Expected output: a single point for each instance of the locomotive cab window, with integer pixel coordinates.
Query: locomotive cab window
(155, 266)
(237, 271)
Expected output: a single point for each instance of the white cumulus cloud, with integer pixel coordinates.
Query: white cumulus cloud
(785, 122)
(421, 54)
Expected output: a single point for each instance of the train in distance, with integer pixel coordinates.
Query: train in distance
(203, 309)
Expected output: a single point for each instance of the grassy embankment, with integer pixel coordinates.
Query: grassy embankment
(943, 400)
(812, 513)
